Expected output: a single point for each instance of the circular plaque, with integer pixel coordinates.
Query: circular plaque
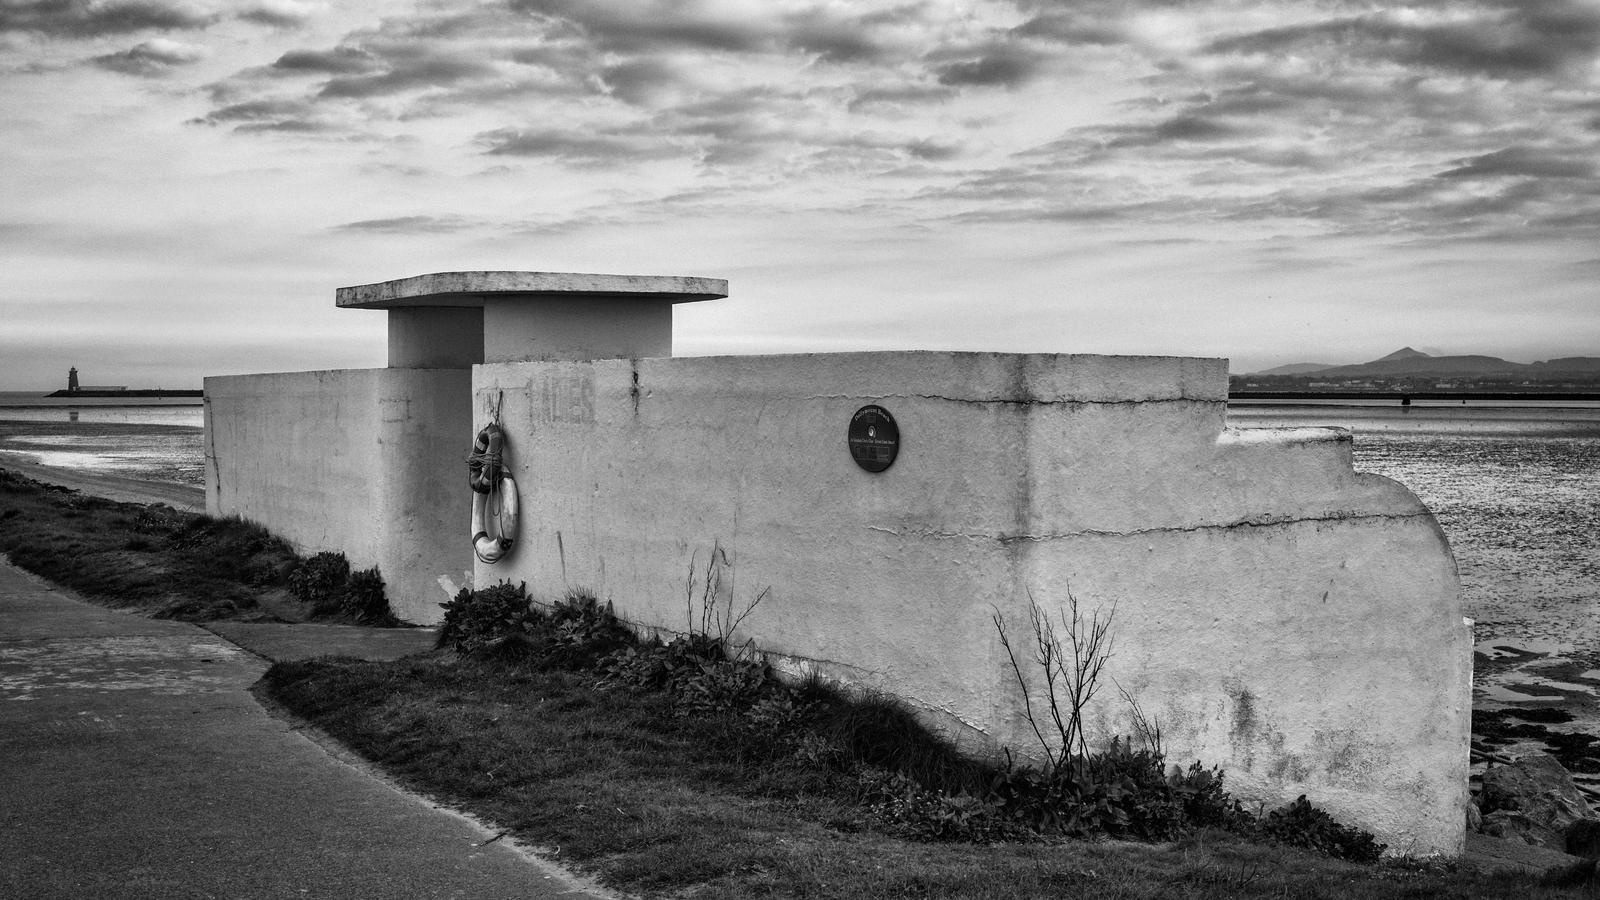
(874, 438)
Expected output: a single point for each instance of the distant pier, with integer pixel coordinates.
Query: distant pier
(119, 394)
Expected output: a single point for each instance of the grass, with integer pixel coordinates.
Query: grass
(163, 562)
(665, 805)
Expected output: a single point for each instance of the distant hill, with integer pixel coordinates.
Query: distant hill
(1407, 361)
(1575, 364)
(1295, 369)
(1423, 364)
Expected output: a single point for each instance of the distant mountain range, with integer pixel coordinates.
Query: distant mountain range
(1407, 361)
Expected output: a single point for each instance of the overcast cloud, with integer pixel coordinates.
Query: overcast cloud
(1269, 181)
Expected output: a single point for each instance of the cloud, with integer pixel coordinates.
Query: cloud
(407, 225)
(1524, 161)
(1507, 39)
(640, 81)
(831, 38)
(279, 114)
(999, 65)
(643, 24)
(337, 61)
(152, 58)
(901, 96)
(282, 13)
(87, 18)
(667, 61)
(412, 71)
(580, 147)
(1183, 128)
(1078, 25)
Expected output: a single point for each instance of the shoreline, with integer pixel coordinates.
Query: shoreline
(115, 487)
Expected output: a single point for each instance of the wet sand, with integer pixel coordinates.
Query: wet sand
(112, 487)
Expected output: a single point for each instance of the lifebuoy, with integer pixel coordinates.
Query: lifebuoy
(494, 497)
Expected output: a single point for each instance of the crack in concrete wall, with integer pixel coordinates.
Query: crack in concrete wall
(1019, 403)
(1258, 522)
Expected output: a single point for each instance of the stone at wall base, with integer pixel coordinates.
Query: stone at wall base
(1534, 800)
(1583, 838)
(1512, 825)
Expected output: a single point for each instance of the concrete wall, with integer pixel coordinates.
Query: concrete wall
(1281, 615)
(369, 462)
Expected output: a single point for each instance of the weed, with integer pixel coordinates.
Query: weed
(899, 774)
(364, 599)
(1071, 673)
(1126, 791)
(1299, 824)
(716, 619)
(320, 581)
(475, 619)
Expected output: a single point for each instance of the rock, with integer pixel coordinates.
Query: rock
(1474, 817)
(1583, 838)
(1533, 799)
(1512, 825)
(1486, 852)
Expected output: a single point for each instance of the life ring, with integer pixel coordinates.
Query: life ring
(494, 497)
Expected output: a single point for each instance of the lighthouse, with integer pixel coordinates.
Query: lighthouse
(72, 380)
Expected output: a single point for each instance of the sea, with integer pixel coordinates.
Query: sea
(1515, 486)
(151, 439)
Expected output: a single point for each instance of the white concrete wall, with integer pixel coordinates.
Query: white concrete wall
(520, 328)
(1281, 615)
(369, 462)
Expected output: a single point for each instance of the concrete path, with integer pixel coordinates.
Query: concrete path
(303, 640)
(134, 763)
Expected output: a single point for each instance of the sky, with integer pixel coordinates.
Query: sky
(184, 183)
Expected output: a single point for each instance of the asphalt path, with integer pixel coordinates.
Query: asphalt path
(134, 763)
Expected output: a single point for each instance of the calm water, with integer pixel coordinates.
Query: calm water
(157, 441)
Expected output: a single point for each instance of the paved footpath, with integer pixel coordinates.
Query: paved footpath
(134, 763)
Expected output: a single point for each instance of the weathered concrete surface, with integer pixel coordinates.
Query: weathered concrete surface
(1278, 613)
(137, 765)
(435, 338)
(472, 288)
(575, 328)
(369, 462)
(528, 315)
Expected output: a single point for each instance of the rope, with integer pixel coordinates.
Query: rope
(487, 460)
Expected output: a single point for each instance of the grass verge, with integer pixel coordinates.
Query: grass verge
(627, 767)
(164, 562)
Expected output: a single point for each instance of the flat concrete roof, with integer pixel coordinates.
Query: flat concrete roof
(472, 288)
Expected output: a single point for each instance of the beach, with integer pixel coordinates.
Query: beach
(134, 453)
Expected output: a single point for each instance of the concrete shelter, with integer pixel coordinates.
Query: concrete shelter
(1276, 612)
